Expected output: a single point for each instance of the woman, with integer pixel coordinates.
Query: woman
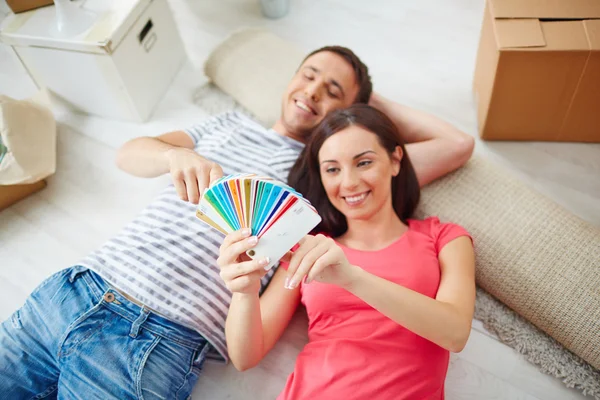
(387, 297)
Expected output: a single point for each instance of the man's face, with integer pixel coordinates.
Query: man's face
(323, 83)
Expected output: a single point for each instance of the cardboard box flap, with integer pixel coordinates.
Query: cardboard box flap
(113, 19)
(519, 33)
(546, 9)
(565, 36)
(592, 30)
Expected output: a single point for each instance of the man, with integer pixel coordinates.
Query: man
(140, 314)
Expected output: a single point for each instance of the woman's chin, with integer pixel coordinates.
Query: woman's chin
(358, 214)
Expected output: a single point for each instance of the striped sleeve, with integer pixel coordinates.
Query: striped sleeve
(205, 128)
(196, 132)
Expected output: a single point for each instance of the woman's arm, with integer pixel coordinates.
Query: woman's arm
(445, 320)
(435, 147)
(253, 324)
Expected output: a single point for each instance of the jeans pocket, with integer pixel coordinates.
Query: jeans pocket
(83, 329)
(49, 285)
(55, 288)
(167, 371)
(200, 358)
(70, 276)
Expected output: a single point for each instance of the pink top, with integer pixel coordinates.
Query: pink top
(354, 351)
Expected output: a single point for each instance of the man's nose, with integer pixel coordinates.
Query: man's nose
(312, 91)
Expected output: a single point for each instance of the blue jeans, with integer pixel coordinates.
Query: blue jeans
(77, 338)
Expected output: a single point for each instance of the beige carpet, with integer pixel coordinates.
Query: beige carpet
(536, 346)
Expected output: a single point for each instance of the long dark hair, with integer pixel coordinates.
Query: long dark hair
(305, 175)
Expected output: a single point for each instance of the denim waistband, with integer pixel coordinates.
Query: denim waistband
(101, 291)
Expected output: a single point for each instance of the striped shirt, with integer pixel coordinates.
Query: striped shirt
(166, 257)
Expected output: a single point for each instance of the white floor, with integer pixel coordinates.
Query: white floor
(420, 53)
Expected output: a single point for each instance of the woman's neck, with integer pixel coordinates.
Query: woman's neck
(376, 233)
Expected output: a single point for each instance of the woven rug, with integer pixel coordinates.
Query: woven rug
(537, 347)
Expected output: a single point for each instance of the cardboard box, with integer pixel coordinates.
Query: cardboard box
(12, 193)
(538, 71)
(119, 68)
(18, 6)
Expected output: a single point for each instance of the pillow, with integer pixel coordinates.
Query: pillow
(254, 67)
(533, 255)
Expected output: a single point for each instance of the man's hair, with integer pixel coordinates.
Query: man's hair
(360, 71)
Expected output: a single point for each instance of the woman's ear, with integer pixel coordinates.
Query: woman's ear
(397, 155)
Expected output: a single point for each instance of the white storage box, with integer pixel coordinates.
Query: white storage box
(118, 68)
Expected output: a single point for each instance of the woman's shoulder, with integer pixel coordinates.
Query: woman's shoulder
(432, 226)
(426, 225)
(439, 232)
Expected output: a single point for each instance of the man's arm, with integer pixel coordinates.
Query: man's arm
(434, 146)
(171, 152)
(146, 156)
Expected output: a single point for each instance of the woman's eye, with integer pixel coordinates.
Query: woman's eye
(331, 170)
(335, 96)
(364, 163)
(309, 77)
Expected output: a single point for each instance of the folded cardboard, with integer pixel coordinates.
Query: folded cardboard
(538, 71)
(18, 6)
(10, 194)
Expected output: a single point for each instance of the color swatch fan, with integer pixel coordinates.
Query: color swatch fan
(277, 214)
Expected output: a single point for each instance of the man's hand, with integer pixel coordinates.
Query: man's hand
(173, 153)
(191, 173)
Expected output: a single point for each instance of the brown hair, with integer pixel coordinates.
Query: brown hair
(305, 175)
(360, 71)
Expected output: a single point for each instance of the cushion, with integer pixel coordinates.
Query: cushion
(254, 67)
(532, 254)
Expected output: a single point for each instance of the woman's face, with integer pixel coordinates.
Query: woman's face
(356, 172)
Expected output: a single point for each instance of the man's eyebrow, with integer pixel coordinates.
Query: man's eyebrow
(332, 81)
(354, 158)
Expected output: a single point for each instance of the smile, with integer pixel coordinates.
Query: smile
(357, 199)
(304, 107)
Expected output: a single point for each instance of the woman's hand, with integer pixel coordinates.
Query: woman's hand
(240, 273)
(320, 259)
(191, 173)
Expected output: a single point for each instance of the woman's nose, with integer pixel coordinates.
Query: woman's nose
(349, 180)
